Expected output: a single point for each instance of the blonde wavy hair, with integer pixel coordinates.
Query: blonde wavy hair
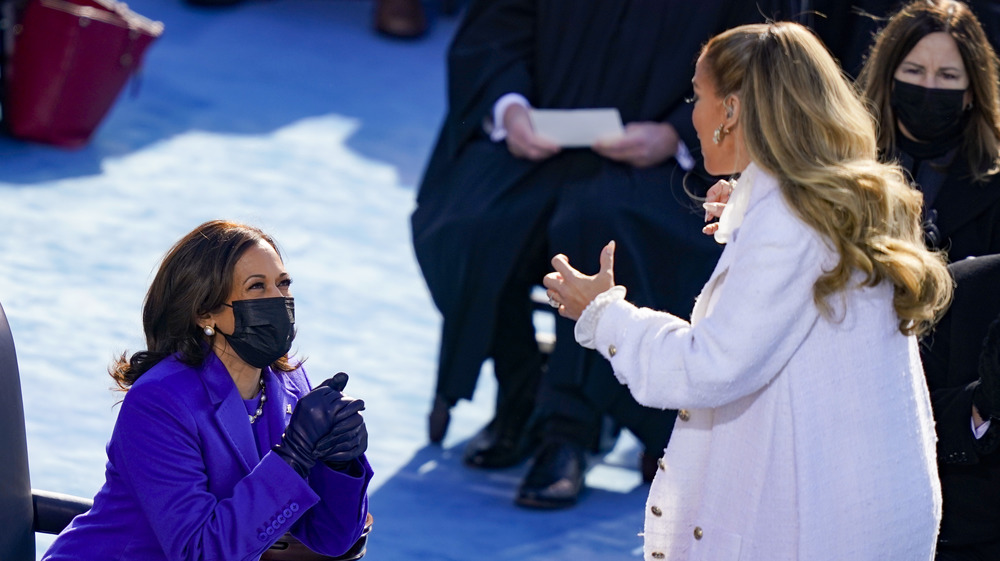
(804, 123)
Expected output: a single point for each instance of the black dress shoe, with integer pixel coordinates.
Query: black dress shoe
(498, 445)
(404, 19)
(556, 478)
(437, 421)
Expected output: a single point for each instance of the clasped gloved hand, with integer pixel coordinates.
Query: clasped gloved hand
(986, 396)
(325, 426)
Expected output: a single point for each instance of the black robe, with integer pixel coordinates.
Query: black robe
(478, 206)
(970, 474)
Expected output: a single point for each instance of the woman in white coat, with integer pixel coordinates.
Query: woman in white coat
(805, 431)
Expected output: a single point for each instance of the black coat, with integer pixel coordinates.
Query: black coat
(970, 478)
(478, 206)
(967, 214)
(961, 215)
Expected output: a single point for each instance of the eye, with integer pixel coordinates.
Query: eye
(256, 286)
(285, 282)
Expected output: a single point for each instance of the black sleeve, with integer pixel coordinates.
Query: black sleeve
(950, 356)
(490, 55)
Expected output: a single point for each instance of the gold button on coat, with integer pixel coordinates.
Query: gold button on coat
(661, 464)
(656, 511)
(612, 350)
(698, 533)
(684, 415)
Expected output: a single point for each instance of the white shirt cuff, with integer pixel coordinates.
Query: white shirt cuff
(585, 331)
(980, 431)
(499, 132)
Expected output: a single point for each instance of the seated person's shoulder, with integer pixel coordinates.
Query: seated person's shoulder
(297, 381)
(168, 389)
(988, 265)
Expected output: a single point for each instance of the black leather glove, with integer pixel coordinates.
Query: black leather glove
(986, 396)
(347, 439)
(314, 417)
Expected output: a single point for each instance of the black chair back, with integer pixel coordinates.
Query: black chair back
(17, 537)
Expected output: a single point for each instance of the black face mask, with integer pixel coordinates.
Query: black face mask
(264, 329)
(928, 114)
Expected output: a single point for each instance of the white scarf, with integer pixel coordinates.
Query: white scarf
(732, 215)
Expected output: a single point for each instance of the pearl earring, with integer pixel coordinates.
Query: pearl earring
(719, 134)
(208, 330)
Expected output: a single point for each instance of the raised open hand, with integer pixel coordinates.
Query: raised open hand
(715, 202)
(572, 290)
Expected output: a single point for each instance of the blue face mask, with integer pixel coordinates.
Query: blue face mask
(264, 329)
(928, 114)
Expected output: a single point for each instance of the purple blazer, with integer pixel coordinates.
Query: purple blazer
(184, 480)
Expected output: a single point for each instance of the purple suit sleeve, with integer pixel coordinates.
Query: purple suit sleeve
(336, 522)
(333, 525)
(164, 455)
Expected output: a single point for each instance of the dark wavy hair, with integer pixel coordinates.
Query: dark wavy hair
(916, 20)
(194, 278)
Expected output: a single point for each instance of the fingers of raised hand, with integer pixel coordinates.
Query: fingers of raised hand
(713, 210)
(316, 404)
(561, 264)
(720, 192)
(343, 446)
(552, 281)
(345, 407)
(338, 382)
(608, 259)
(341, 433)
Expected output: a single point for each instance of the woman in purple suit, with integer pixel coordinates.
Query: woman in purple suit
(220, 446)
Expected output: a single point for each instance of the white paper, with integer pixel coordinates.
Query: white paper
(575, 128)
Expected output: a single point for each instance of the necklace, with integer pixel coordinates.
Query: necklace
(260, 406)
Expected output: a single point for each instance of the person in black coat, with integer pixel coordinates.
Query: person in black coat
(963, 374)
(932, 80)
(494, 192)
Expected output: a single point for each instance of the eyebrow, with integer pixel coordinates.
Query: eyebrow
(922, 67)
(283, 274)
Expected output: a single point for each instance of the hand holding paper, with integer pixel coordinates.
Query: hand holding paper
(643, 144)
(576, 128)
(522, 139)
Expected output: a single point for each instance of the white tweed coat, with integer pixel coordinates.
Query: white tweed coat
(799, 438)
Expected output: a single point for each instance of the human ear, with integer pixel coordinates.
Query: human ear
(732, 106)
